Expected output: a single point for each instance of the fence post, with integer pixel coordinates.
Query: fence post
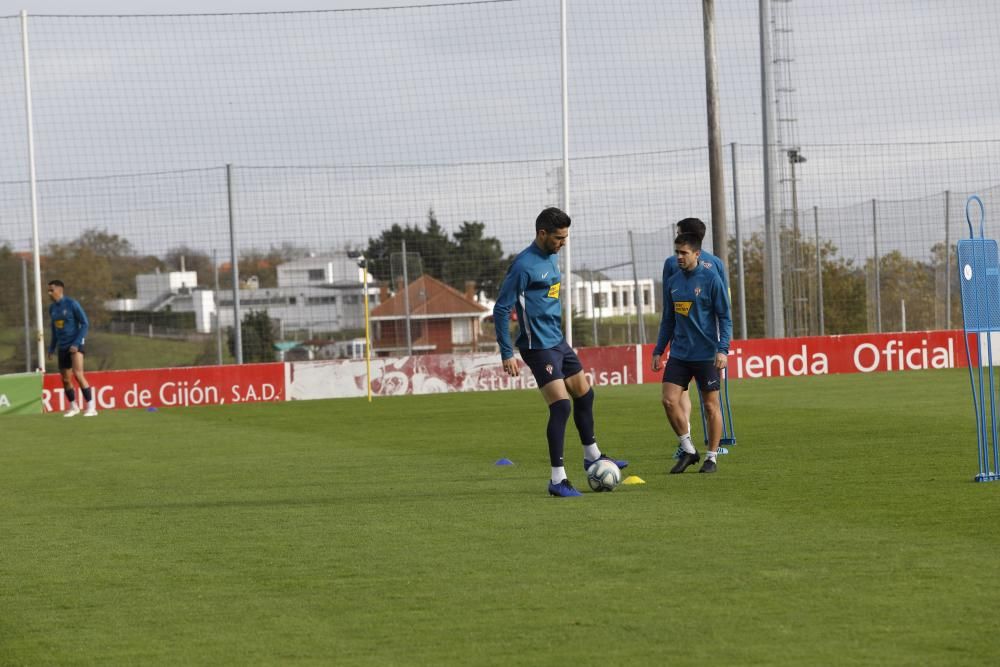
(637, 293)
(215, 310)
(740, 284)
(947, 260)
(878, 270)
(819, 274)
(234, 258)
(27, 317)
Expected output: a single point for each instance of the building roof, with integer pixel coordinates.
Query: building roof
(429, 299)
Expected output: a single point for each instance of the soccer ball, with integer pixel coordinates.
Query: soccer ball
(603, 475)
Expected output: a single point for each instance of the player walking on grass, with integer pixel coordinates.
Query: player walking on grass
(69, 332)
(697, 324)
(531, 286)
(670, 267)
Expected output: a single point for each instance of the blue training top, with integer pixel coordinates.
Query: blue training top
(707, 259)
(69, 324)
(696, 320)
(532, 287)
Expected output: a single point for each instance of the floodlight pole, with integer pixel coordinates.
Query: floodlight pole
(720, 235)
(774, 300)
(33, 183)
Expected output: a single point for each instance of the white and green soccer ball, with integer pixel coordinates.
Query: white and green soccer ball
(603, 475)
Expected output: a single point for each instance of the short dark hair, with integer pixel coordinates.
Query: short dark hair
(692, 226)
(57, 283)
(552, 219)
(689, 239)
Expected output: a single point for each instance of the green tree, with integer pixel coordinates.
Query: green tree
(469, 255)
(258, 334)
(96, 266)
(480, 259)
(11, 289)
(844, 287)
(946, 271)
(904, 279)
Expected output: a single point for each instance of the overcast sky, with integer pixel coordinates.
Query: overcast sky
(894, 100)
(8, 7)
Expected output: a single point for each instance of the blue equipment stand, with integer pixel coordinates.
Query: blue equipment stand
(980, 280)
(728, 435)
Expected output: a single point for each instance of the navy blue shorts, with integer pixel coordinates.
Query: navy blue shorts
(555, 363)
(66, 359)
(680, 372)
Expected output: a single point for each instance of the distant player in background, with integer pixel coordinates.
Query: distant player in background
(532, 286)
(670, 267)
(698, 326)
(69, 332)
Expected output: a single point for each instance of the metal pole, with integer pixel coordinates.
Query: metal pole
(720, 235)
(27, 317)
(878, 270)
(368, 336)
(406, 303)
(740, 285)
(237, 323)
(819, 274)
(215, 307)
(947, 260)
(774, 316)
(33, 183)
(637, 293)
(593, 314)
(567, 286)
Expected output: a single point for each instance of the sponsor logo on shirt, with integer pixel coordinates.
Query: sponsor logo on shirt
(60, 324)
(682, 307)
(554, 291)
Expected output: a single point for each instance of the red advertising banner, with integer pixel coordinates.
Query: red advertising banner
(856, 353)
(172, 387)
(426, 374)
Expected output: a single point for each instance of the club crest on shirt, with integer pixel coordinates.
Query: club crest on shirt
(697, 291)
(548, 368)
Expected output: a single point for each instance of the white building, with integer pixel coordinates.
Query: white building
(612, 298)
(314, 295)
(154, 291)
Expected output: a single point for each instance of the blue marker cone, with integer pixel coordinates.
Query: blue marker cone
(504, 462)
(150, 409)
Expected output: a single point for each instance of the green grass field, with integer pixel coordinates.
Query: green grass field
(843, 529)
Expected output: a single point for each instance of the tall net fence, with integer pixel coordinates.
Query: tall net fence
(312, 142)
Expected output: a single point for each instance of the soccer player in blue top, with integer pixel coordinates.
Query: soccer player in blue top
(69, 333)
(670, 267)
(698, 326)
(532, 286)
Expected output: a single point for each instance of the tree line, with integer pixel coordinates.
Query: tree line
(98, 266)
